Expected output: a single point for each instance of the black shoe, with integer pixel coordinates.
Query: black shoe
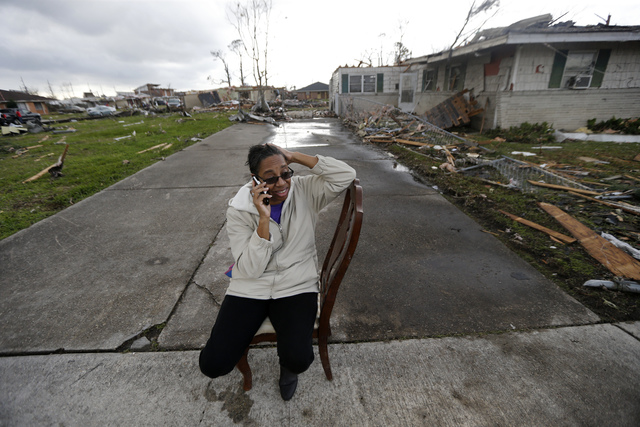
(288, 383)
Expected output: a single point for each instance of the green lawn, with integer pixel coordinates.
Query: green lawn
(95, 160)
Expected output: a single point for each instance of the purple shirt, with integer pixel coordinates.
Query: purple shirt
(276, 212)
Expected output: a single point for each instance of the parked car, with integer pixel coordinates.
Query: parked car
(174, 102)
(17, 116)
(72, 109)
(101, 110)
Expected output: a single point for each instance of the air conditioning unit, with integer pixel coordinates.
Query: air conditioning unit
(580, 82)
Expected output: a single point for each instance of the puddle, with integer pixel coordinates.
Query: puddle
(298, 135)
(401, 168)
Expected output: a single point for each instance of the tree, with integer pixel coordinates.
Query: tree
(237, 47)
(485, 6)
(401, 52)
(218, 54)
(25, 89)
(53, 95)
(250, 18)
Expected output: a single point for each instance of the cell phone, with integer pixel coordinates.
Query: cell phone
(266, 199)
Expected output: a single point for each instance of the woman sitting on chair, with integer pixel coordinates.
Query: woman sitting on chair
(271, 225)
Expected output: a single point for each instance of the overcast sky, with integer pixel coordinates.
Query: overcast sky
(111, 45)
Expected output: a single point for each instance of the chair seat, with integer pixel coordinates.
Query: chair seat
(267, 327)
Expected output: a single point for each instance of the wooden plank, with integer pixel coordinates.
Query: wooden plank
(44, 171)
(550, 232)
(152, 148)
(406, 141)
(562, 187)
(616, 260)
(613, 205)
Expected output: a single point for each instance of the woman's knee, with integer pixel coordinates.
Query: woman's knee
(296, 362)
(212, 366)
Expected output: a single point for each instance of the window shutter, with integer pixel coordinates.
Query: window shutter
(345, 83)
(600, 67)
(380, 82)
(557, 70)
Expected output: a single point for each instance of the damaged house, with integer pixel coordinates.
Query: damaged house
(532, 71)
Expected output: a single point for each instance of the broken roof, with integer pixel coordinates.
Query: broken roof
(539, 29)
(14, 95)
(315, 87)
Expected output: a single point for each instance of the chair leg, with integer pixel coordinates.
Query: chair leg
(324, 356)
(245, 369)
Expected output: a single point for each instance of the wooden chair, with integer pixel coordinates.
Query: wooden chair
(336, 262)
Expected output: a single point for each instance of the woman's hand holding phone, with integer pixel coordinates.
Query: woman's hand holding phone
(261, 196)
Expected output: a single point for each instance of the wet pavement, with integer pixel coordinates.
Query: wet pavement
(147, 256)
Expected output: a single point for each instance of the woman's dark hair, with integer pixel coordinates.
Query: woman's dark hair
(258, 153)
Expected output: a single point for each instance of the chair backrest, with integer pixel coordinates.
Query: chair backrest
(341, 250)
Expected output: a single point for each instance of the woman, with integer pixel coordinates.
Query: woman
(271, 226)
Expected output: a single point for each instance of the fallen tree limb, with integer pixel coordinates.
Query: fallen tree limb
(559, 236)
(615, 260)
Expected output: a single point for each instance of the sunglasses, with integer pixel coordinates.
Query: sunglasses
(270, 181)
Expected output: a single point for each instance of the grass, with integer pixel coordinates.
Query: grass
(95, 160)
(569, 266)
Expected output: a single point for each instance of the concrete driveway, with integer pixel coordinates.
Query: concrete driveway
(145, 259)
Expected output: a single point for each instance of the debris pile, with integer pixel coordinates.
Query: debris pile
(606, 202)
(454, 111)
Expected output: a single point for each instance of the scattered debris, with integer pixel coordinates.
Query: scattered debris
(69, 130)
(454, 111)
(55, 169)
(622, 245)
(248, 117)
(559, 236)
(154, 147)
(617, 261)
(621, 285)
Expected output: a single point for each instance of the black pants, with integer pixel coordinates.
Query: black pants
(239, 319)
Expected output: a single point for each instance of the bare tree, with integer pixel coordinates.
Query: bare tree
(236, 47)
(250, 18)
(485, 6)
(53, 95)
(400, 52)
(25, 89)
(218, 54)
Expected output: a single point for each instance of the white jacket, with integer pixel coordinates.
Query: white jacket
(287, 263)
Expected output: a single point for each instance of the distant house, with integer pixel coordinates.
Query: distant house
(533, 71)
(316, 90)
(209, 98)
(154, 90)
(26, 101)
(377, 84)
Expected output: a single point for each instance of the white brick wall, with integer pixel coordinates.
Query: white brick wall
(565, 109)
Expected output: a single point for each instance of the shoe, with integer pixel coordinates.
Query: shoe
(288, 383)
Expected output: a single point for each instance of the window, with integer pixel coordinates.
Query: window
(429, 78)
(579, 69)
(455, 77)
(580, 64)
(368, 83)
(355, 84)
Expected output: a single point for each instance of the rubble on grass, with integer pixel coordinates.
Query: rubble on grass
(581, 185)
